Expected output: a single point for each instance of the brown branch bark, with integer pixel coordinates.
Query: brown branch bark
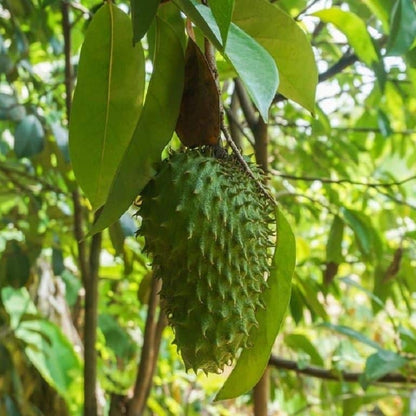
(325, 374)
(149, 354)
(345, 181)
(232, 118)
(90, 328)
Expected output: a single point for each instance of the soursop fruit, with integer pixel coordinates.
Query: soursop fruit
(207, 227)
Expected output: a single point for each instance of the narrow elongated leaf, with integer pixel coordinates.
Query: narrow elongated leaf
(154, 128)
(402, 27)
(353, 334)
(107, 101)
(366, 236)
(251, 61)
(333, 246)
(301, 342)
(379, 364)
(142, 14)
(354, 29)
(222, 11)
(287, 44)
(189, 8)
(252, 362)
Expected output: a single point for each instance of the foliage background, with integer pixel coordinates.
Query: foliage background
(344, 176)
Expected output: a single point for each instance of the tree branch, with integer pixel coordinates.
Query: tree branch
(234, 125)
(345, 61)
(322, 373)
(246, 105)
(345, 181)
(90, 328)
(149, 353)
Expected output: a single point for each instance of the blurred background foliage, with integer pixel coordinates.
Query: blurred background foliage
(345, 176)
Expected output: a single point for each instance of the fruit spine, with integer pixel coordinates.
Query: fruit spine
(207, 228)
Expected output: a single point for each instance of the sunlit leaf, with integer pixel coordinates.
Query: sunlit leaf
(288, 45)
(252, 361)
(107, 101)
(150, 136)
(354, 29)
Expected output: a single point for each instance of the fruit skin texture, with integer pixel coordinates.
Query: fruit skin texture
(207, 227)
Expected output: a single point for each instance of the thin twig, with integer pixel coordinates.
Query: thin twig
(12, 172)
(325, 374)
(344, 180)
(233, 120)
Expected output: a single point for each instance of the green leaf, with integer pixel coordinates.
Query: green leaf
(402, 27)
(252, 362)
(354, 29)
(10, 109)
(367, 238)
(382, 9)
(222, 11)
(301, 342)
(251, 61)
(358, 336)
(143, 13)
(384, 123)
(107, 101)
(210, 29)
(286, 42)
(57, 261)
(379, 364)
(170, 13)
(17, 271)
(154, 128)
(334, 244)
(116, 337)
(28, 137)
(46, 347)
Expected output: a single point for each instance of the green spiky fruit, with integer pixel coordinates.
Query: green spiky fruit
(207, 227)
